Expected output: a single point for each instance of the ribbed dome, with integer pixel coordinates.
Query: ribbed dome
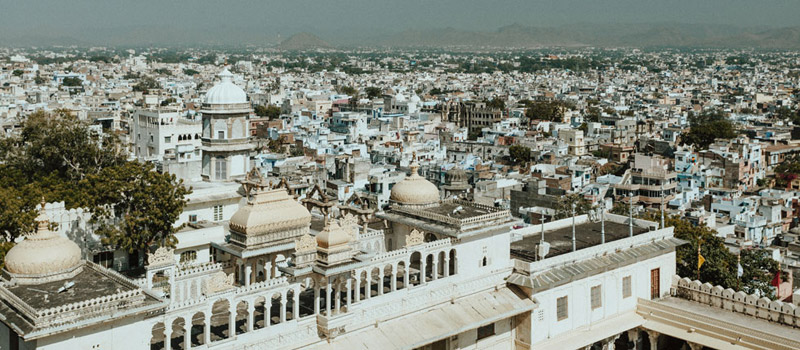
(270, 211)
(226, 92)
(415, 189)
(456, 174)
(43, 253)
(333, 236)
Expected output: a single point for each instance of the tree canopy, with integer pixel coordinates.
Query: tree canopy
(59, 158)
(269, 111)
(563, 206)
(72, 81)
(147, 84)
(519, 154)
(706, 127)
(546, 110)
(373, 92)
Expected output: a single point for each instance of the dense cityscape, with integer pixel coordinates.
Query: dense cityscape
(306, 196)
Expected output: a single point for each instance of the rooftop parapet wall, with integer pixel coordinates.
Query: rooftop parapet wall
(731, 300)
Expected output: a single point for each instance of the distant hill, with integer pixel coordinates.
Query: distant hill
(602, 35)
(303, 41)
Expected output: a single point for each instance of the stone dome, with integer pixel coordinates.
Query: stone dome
(43, 253)
(226, 92)
(270, 211)
(333, 235)
(414, 189)
(456, 174)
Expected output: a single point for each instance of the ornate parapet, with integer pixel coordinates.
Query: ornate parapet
(731, 300)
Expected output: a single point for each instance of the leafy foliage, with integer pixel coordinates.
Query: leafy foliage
(708, 126)
(564, 206)
(373, 92)
(546, 110)
(519, 154)
(59, 158)
(72, 81)
(146, 84)
(269, 111)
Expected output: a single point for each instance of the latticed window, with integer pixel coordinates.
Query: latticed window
(217, 213)
(188, 256)
(561, 308)
(626, 286)
(597, 301)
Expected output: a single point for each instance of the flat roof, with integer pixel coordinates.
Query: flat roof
(586, 235)
(89, 284)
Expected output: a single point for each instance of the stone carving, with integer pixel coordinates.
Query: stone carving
(305, 243)
(349, 220)
(415, 238)
(218, 281)
(162, 257)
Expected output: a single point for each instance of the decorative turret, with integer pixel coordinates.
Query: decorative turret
(415, 190)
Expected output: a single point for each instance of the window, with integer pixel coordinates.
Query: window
(217, 213)
(626, 286)
(193, 218)
(221, 169)
(220, 135)
(188, 256)
(151, 137)
(105, 259)
(561, 308)
(486, 331)
(596, 297)
(167, 139)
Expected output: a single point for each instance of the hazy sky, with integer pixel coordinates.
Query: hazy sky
(91, 19)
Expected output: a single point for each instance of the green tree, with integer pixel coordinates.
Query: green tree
(189, 71)
(348, 90)
(137, 206)
(564, 204)
(496, 103)
(592, 114)
(17, 72)
(72, 81)
(373, 92)
(708, 126)
(787, 171)
(146, 84)
(546, 110)
(269, 111)
(519, 154)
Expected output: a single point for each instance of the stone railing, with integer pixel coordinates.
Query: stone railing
(731, 300)
(198, 269)
(263, 285)
(89, 304)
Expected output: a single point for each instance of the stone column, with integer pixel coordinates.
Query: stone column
(633, 337)
(251, 313)
(338, 295)
(446, 266)
(435, 270)
(653, 337)
(232, 320)
(422, 270)
(248, 270)
(328, 299)
(187, 338)
(608, 343)
(207, 328)
(405, 276)
(358, 288)
(267, 311)
(368, 286)
(316, 300)
(349, 293)
(268, 270)
(167, 336)
(380, 281)
(295, 305)
(283, 308)
(393, 283)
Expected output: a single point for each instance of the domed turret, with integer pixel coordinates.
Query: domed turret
(270, 216)
(415, 190)
(43, 252)
(226, 92)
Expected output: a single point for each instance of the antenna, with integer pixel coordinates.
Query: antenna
(573, 227)
(603, 224)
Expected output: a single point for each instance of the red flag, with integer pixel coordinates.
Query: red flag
(777, 280)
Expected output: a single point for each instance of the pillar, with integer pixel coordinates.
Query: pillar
(327, 299)
(694, 346)
(368, 286)
(393, 283)
(380, 281)
(187, 338)
(251, 311)
(446, 266)
(267, 311)
(283, 308)
(653, 337)
(435, 269)
(406, 272)
(422, 269)
(268, 270)
(349, 292)
(248, 270)
(232, 320)
(167, 336)
(207, 327)
(633, 338)
(358, 288)
(295, 305)
(608, 343)
(316, 300)
(338, 300)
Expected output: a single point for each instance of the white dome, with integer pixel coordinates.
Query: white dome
(42, 253)
(400, 97)
(414, 98)
(226, 92)
(415, 190)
